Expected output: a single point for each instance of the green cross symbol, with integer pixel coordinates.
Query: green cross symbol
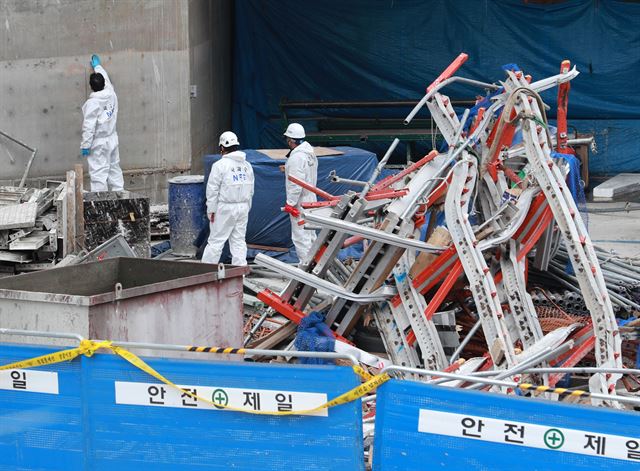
(220, 398)
(553, 438)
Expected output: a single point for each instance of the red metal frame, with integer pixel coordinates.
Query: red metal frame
(386, 194)
(449, 71)
(441, 294)
(396, 300)
(539, 201)
(320, 204)
(425, 274)
(271, 299)
(563, 100)
(572, 357)
(274, 301)
(577, 354)
(381, 195)
(477, 121)
(313, 189)
(545, 219)
(505, 140)
(444, 289)
(319, 253)
(391, 179)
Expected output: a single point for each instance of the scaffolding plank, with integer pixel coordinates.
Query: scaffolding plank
(16, 257)
(33, 241)
(16, 216)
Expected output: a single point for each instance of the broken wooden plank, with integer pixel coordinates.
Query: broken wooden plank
(16, 216)
(267, 247)
(79, 207)
(59, 205)
(276, 337)
(69, 215)
(33, 241)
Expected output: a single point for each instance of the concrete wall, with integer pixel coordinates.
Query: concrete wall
(146, 47)
(210, 29)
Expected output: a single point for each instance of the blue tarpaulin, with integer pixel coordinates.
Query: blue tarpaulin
(267, 224)
(391, 50)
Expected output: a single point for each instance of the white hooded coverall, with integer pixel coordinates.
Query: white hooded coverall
(99, 134)
(302, 164)
(229, 195)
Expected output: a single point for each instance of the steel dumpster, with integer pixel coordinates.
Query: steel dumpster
(128, 299)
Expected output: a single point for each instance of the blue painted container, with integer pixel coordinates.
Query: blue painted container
(187, 213)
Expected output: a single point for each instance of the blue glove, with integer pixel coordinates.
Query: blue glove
(95, 61)
(85, 152)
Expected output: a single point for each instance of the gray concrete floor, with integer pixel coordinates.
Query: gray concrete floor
(616, 230)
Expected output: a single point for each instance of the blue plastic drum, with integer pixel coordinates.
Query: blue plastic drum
(187, 214)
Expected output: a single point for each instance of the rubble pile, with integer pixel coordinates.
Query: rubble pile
(30, 225)
(159, 221)
(502, 228)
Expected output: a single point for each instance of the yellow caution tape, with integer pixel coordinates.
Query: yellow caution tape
(89, 347)
(360, 371)
(86, 348)
(355, 393)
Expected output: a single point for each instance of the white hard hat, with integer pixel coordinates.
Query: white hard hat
(228, 139)
(295, 131)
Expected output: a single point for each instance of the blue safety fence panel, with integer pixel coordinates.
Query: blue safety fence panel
(161, 437)
(103, 413)
(180, 434)
(41, 412)
(429, 427)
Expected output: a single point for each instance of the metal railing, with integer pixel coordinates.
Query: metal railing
(187, 348)
(496, 382)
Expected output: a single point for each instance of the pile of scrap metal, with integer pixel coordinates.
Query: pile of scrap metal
(502, 202)
(28, 227)
(159, 221)
(60, 224)
(28, 218)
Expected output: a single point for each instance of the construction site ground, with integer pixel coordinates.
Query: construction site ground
(616, 230)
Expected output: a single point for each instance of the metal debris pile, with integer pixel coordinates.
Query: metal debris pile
(474, 297)
(29, 227)
(159, 221)
(42, 228)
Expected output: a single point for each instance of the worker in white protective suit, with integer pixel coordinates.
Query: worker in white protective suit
(229, 195)
(99, 136)
(302, 164)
